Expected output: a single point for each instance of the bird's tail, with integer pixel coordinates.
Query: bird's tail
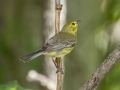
(31, 56)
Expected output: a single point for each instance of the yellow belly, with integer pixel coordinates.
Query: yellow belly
(61, 53)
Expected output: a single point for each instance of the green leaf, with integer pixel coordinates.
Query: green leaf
(12, 86)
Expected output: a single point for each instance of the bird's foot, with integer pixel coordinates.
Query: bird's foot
(59, 70)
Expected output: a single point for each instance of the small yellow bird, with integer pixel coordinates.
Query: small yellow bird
(59, 45)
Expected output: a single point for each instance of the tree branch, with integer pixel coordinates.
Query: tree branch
(42, 79)
(102, 70)
(58, 8)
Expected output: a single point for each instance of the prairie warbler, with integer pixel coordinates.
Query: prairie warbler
(59, 45)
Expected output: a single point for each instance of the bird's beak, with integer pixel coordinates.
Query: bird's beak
(78, 21)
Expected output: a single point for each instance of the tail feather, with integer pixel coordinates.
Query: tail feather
(31, 56)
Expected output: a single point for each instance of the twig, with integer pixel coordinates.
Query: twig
(43, 80)
(58, 8)
(59, 74)
(102, 70)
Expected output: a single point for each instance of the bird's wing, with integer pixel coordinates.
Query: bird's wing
(60, 41)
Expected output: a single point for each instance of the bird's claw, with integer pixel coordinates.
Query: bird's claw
(59, 70)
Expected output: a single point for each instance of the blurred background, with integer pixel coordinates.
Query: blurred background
(26, 24)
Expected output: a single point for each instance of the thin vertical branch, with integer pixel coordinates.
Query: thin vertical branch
(58, 8)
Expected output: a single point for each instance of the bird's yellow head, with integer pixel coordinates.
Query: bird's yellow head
(71, 27)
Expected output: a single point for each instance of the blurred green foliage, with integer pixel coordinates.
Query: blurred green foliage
(12, 86)
(21, 32)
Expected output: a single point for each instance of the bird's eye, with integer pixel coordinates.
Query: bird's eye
(73, 23)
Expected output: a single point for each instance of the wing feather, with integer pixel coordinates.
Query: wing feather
(60, 41)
